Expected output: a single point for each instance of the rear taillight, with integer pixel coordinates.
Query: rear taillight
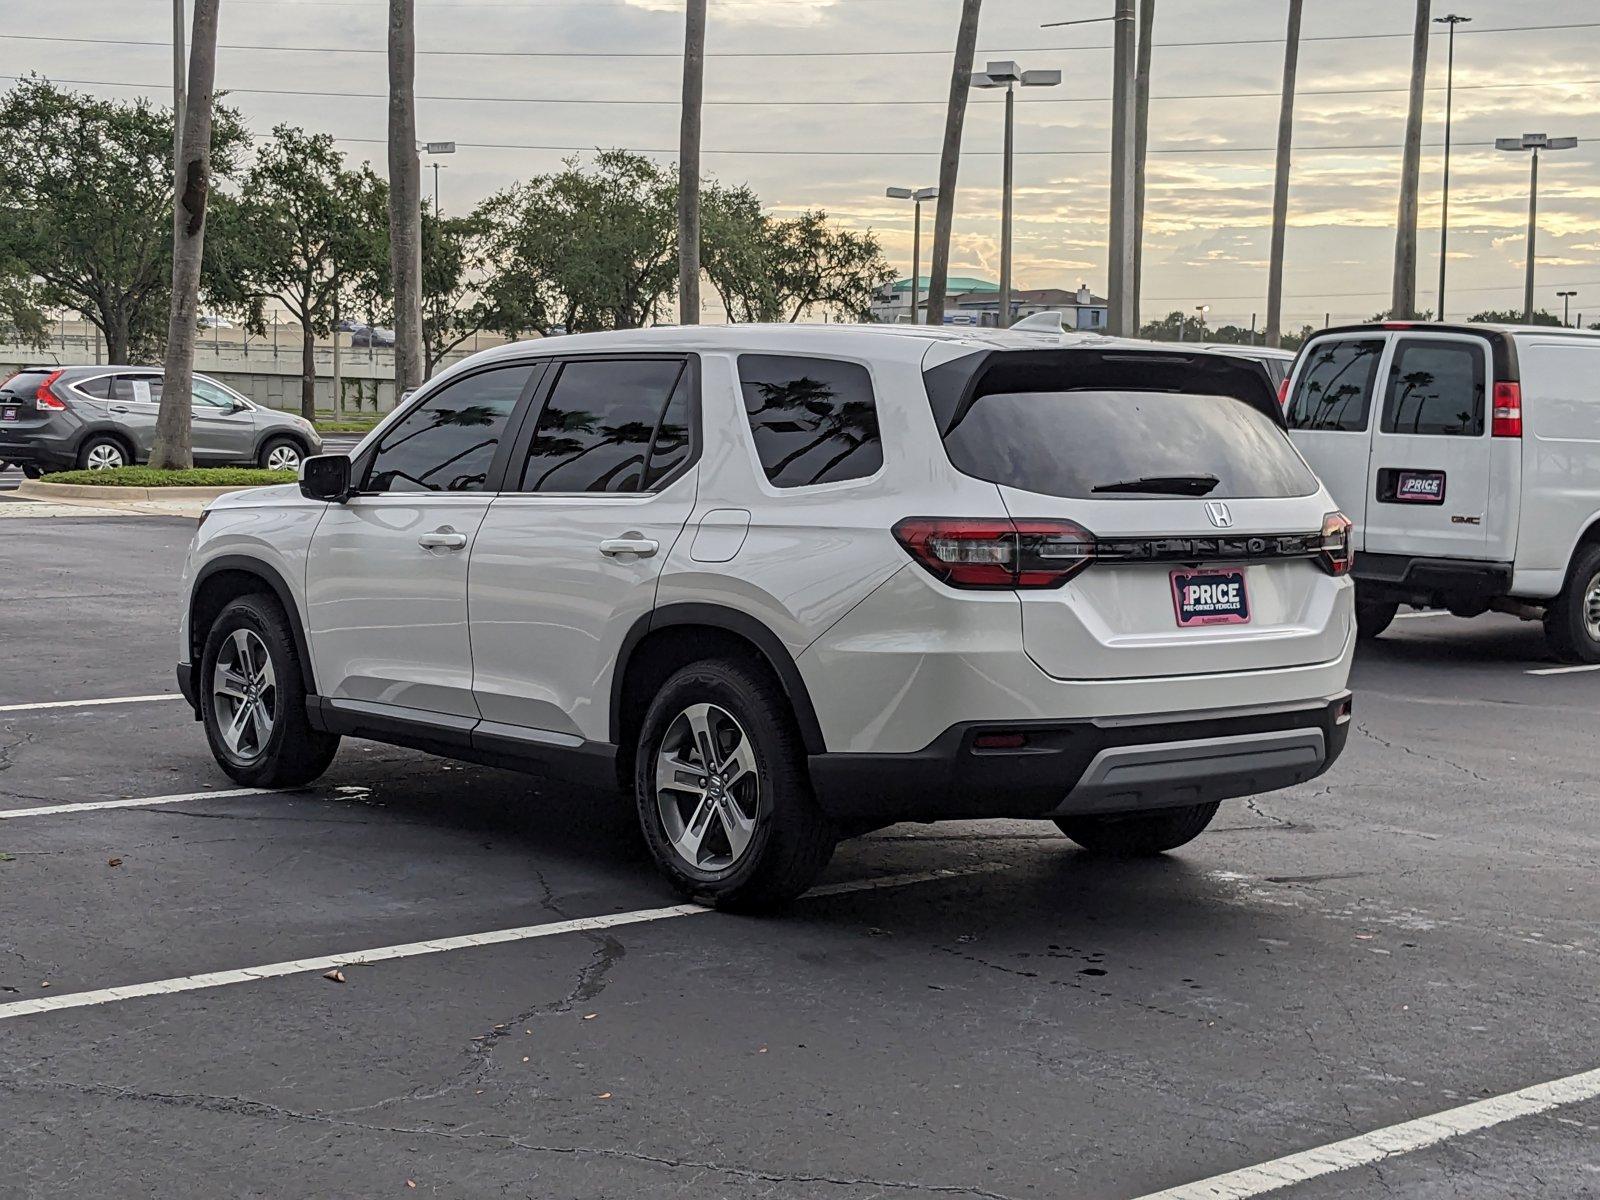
(1335, 552)
(44, 398)
(983, 552)
(1507, 420)
(1283, 394)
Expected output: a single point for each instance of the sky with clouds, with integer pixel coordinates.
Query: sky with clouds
(824, 103)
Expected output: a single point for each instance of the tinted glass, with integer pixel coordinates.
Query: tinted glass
(447, 443)
(673, 442)
(23, 383)
(1070, 443)
(99, 388)
(814, 419)
(596, 431)
(1435, 388)
(1334, 390)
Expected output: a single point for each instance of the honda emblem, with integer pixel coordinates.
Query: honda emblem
(1218, 512)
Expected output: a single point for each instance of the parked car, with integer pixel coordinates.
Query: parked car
(1469, 458)
(58, 418)
(790, 583)
(368, 335)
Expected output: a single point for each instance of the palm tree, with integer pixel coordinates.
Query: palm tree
(405, 196)
(950, 158)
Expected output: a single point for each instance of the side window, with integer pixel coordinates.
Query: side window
(610, 425)
(1435, 388)
(814, 420)
(1334, 390)
(100, 388)
(447, 443)
(138, 389)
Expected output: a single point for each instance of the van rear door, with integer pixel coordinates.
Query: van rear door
(1429, 474)
(1329, 415)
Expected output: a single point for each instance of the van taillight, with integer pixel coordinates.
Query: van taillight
(1507, 410)
(982, 552)
(1283, 393)
(1336, 553)
(44, 398)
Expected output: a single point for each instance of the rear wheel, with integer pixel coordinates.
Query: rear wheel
(1373, 616)
(1572, 621)
(30, 471)
(102, 453)
(253, 699)
(282, 454)
(723, 793)
(1137, 834)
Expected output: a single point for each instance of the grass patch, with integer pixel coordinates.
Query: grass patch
(149, 477)
(348, 424)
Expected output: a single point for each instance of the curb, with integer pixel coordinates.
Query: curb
(34, 489)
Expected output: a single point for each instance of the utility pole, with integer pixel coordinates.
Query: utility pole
(173, 448)
(1280, 179)
(1119, 276)
(694, 76)
(1403, 304)
(1450, 20)
(950, 158)
(1141, 139)
(405, 196)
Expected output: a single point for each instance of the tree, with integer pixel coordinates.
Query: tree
(173, 448)
(405, 197)
(1403, 305)
(1176, 326)
(1507, 316)
(88, 186)
(694, 73)
(22, 318)
(587, 248)
(461, 292)
(305, 232)
(816, 264)
(737, 253)
(950, 157)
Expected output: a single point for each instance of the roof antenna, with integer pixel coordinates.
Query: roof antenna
(1039, 322)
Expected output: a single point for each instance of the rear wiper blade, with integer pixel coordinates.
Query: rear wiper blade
(1163, 485)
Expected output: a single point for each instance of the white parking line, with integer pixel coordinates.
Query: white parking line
(1563, 670)
(301, 966)
(50, 810)
(43, 704)
(1383, 1144)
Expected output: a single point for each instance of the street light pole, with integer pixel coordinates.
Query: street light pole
(1534, 142)
(1202, 309)
(916, 197)
(1450, 20)
(1566, 308)
(1006, 75)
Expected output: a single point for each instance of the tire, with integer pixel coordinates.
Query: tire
(1373, 617)
(1138, 834)
(291, 752)
(1572, 621)
(766, 803)
(101, 452)
(30, 471)
(281, 448)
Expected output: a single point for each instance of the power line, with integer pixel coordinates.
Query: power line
(674, 54)
(673, 103)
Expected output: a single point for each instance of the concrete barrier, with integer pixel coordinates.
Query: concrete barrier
(36, 489)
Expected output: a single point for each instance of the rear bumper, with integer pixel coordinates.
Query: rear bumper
(1418, 579)
(37, 449)
(1100, 765)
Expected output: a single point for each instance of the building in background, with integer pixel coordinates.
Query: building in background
(892, 305)
(977, 302)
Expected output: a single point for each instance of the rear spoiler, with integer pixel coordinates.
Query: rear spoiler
(953, 387)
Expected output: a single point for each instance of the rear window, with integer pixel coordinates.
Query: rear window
(815, 420)
(1334, 391)
(1435, 388)
(1073, 443)
(23, 383)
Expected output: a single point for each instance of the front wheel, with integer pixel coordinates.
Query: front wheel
(1373, 617)
(253, 699)
(30, 471)
(1572, 621)
(723, 793)
(281, 454)
(1138, 834)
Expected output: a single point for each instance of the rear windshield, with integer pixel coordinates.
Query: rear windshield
(1100, 444)
(23, 383)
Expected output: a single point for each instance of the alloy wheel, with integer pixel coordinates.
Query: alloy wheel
(104, 457)
(1591, 609)
(283, 458)
(708, 789)
(245, 691)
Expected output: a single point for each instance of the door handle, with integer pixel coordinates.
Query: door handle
(119, 408)
(443, 538)
(633, 544)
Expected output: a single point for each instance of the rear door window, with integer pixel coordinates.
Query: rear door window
(1334, 390)
(814, 420)
(99, 387)
(139, 389)
(1435, 388)
(1122, 444)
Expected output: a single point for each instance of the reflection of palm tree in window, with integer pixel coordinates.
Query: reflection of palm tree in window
(568, 450)
(853, 423)
(466, 416)
(1327, 395)
(1412, 384)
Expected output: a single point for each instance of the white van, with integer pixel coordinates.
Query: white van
(1468, 457)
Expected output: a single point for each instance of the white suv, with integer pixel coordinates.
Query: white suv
(791, 583)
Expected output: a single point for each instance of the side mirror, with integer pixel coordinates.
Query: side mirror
(325, 477)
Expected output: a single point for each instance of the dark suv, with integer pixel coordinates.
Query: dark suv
(58, 418)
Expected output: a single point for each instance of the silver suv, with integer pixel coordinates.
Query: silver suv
(94, 418)
(786, 583)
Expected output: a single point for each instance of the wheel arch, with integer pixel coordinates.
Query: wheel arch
(107, 430)
(675, 634)
(226, 578)
(277, 433)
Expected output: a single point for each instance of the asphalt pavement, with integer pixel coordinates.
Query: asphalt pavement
(975, 1009)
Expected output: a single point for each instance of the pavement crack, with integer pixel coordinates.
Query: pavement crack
(245, 1107)
(1388, 745)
